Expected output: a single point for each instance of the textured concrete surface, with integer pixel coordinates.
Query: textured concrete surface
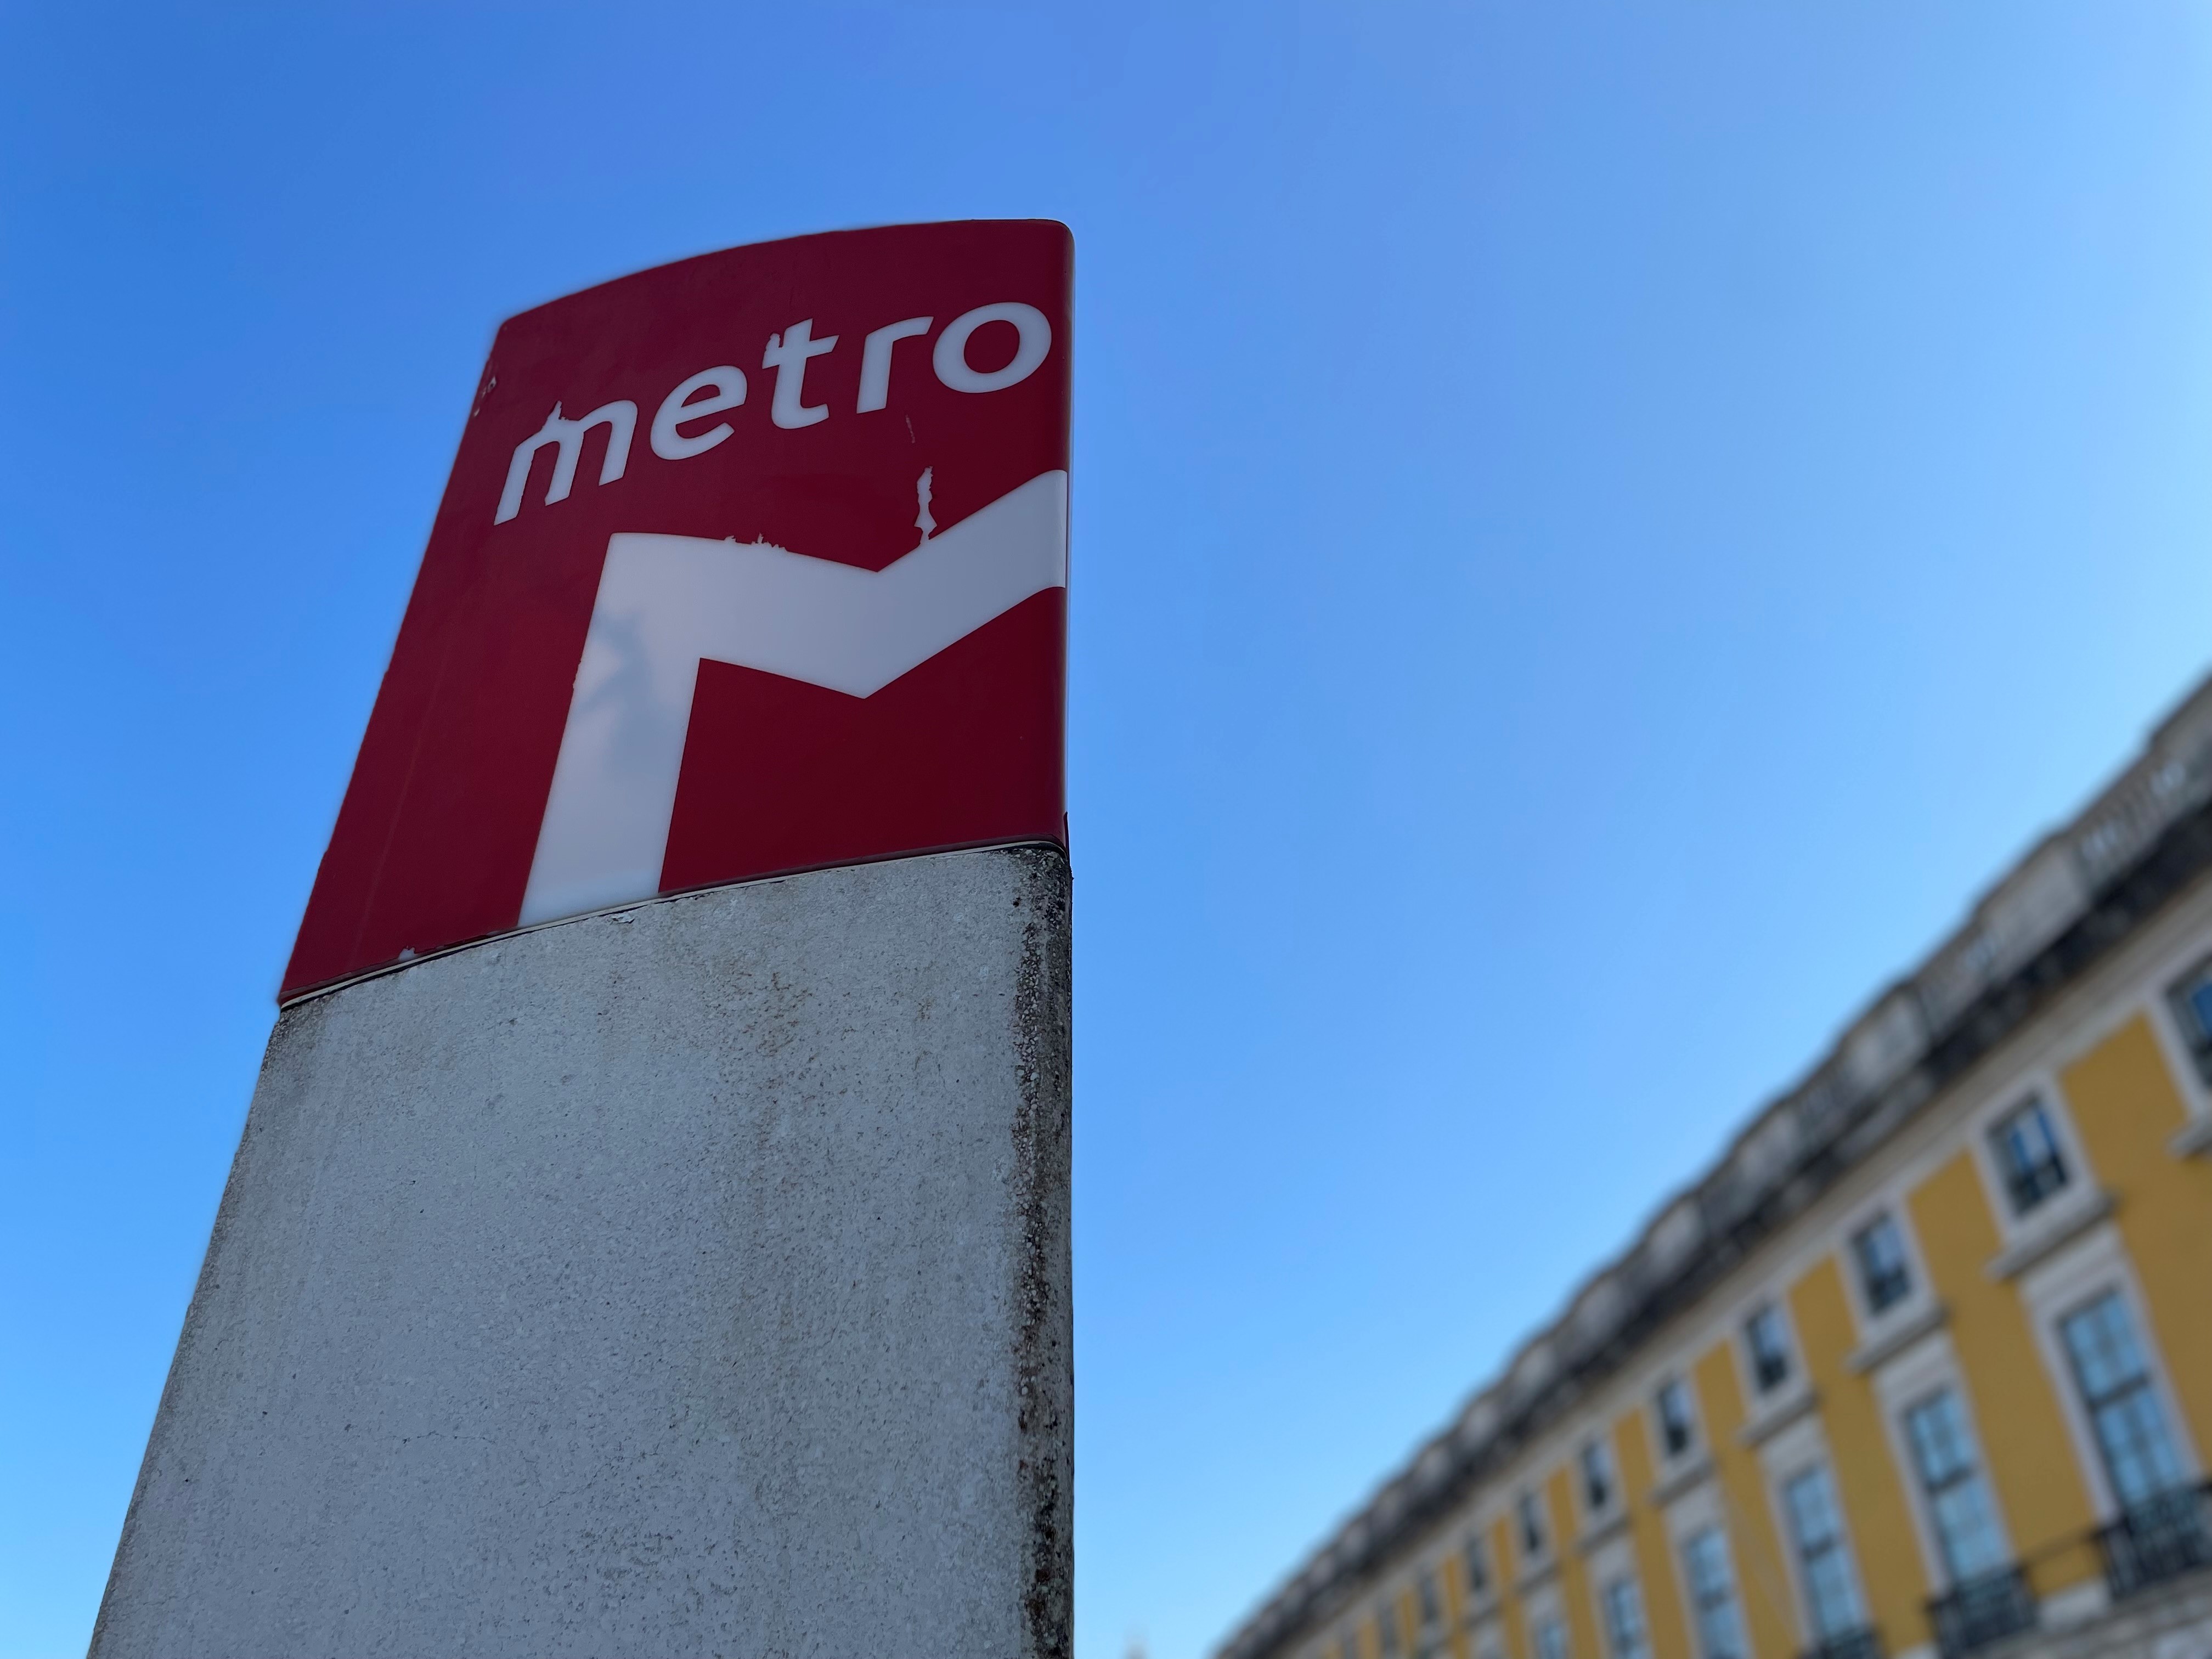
(691, 1280)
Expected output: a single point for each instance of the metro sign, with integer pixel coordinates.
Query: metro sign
(724, 621)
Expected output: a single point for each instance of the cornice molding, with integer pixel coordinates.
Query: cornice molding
(2058, 915)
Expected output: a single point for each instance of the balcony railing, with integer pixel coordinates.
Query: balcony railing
(1862, 1642)
(2159, 1539)
(1981, 1611)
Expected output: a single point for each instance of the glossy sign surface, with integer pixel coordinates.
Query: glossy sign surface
(752, 563)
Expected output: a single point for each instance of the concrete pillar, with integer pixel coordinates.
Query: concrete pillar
(689, 1279)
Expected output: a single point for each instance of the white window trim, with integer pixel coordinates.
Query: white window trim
(1766, 1412)
(1592, 1518)
(2172, 1041)
(1694, 1513)
(2064, 1211)
(1914, 1376)
(1480, 1603)
(1389, 1609)
(1541, 1603)
(1787, 1455)
(2062, 1285)
(2194, 1137)
(1531, 1568)
(1617, 1559)
(1673, 1464)
(1606, 1570)
(1430, 1638)
(1919, 1304)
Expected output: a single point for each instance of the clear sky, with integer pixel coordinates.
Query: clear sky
(1597, 529)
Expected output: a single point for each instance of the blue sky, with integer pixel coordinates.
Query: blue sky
(1597, 529)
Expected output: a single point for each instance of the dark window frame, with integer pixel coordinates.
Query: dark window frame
(1954, 1486)
(2121, 1401)
(1824, 1554)
(1474, 1562)
(1594, 1464)
(1766, 1343)
(1628, 1637)
(1881, 1263)
(1535, 1535)
(1715, 1604)
(2030, 1155)
(1678, 1431)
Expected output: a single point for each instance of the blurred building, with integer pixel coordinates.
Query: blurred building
(1922, 1366)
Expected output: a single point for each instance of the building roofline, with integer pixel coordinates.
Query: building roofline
(2057, 914)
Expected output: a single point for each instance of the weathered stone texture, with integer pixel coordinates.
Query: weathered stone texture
(688, 1280)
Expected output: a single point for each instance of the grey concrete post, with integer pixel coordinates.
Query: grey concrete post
(692, 1279)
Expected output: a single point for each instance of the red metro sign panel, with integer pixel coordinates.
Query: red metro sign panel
(752, 563)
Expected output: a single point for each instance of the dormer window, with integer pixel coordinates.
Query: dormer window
(1768, 1345)
(1597, 1477)
(1678, 1428)
(2029, 1158)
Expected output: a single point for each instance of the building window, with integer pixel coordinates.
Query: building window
(1951, 1480)
(2122, 1404)
(1431, 1605)
(1597, 1477)
(1769, 1346)
(2191, 997)
(1885, 1275)
(1678, 1430)
(1531, 1525)
(1625, 1635)
(1551, 1637)
(1351, 1643)
(2029, 1156)
(1475, 1560)
(1386, 1625)
(1816, 1528)
(1712, 1597)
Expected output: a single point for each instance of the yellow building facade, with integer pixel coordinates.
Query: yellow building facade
(1921, 1369)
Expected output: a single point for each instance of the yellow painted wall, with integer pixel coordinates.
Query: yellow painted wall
(1459, 1601)
(1574, 1577)
(2025, 1443)
(1506, 1556)
(1762, 1580)
(2126, 1106)
(1654, 1566)
(1868, 1482)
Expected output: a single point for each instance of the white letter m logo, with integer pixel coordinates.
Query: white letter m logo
(619, 417)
